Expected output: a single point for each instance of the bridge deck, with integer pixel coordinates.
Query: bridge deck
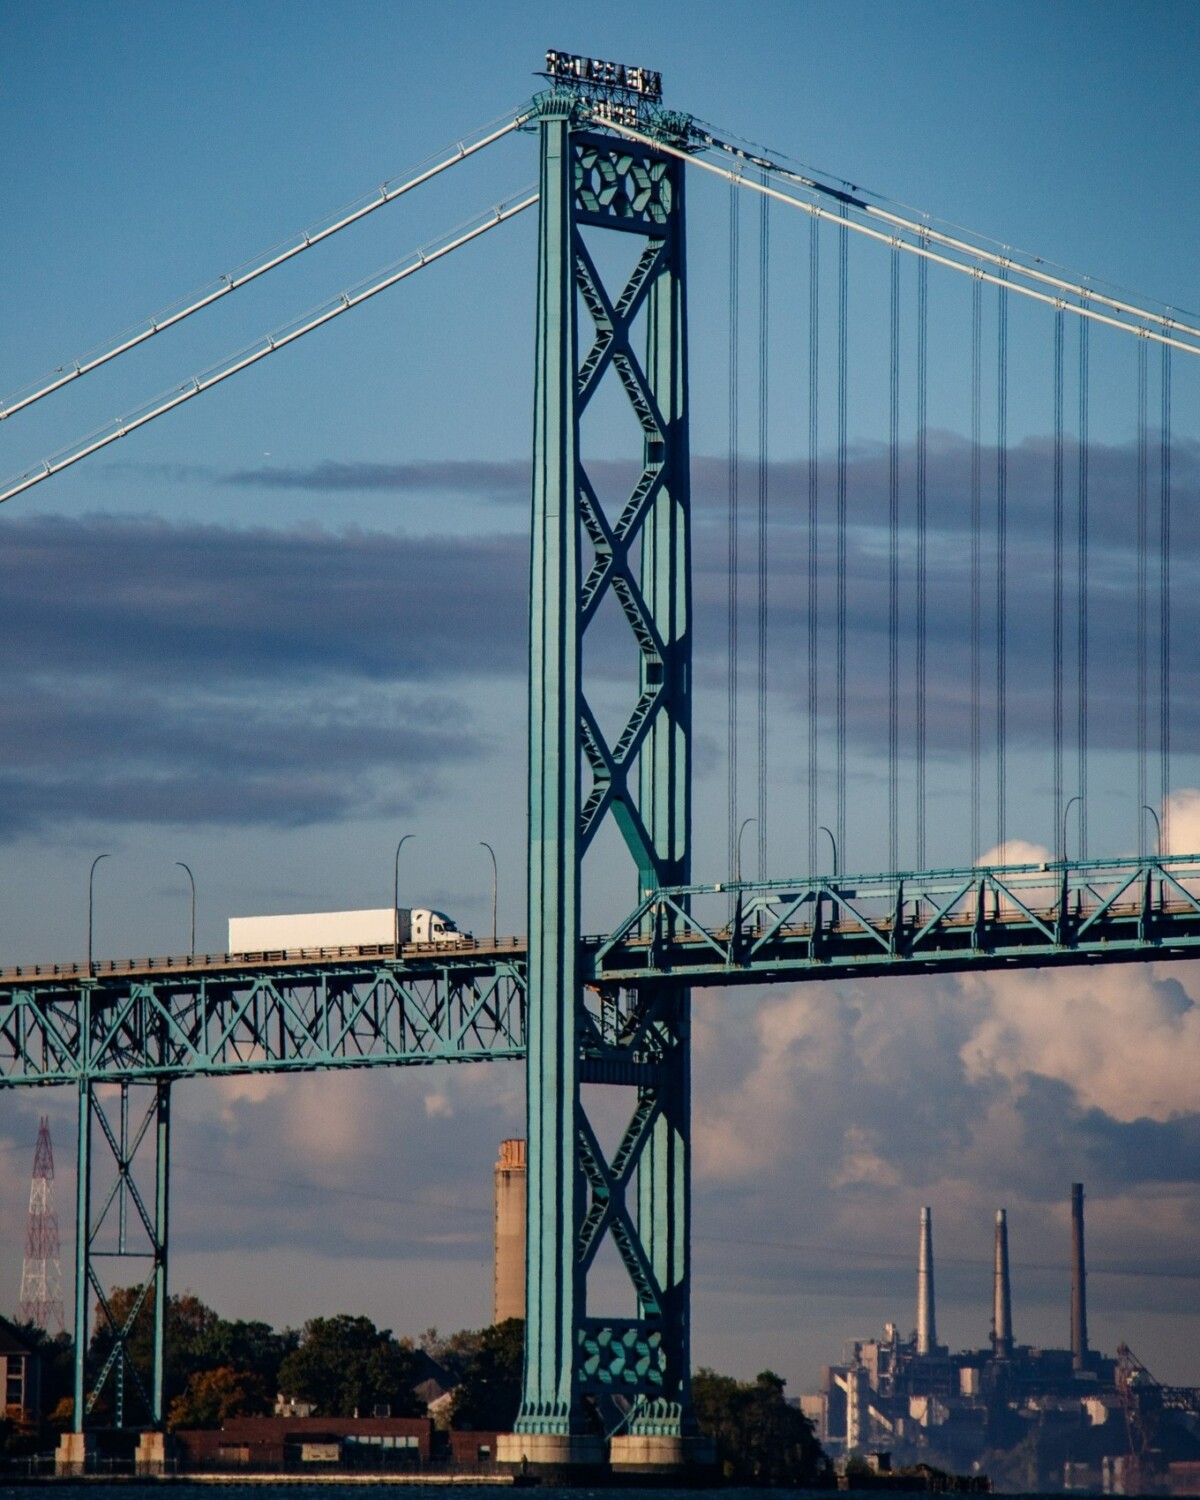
(188, 1015)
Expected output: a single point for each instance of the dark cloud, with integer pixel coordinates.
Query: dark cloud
(186, 674)
(174, 603)
(496, 478)
(157, 667)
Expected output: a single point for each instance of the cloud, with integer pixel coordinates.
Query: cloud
(1122, 1038)
(198, 674)
(498, 479)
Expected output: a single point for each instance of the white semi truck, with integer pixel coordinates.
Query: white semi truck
(379, 927)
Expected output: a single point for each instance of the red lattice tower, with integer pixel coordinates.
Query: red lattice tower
(41, 1276)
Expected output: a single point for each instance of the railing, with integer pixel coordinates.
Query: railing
(279, 957)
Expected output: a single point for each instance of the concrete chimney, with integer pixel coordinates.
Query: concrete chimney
(508, 1285)
(1079, 1337)
(1002, 1335)
(926, 1320)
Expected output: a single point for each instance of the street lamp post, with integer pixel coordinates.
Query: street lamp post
(492, 852)
(822, 829)
(1066, 810)
(396, 898)
(1157, 828)
(737, 858)
(91, 892)
(192, 882)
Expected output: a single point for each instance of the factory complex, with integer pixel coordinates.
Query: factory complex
(1031, 1418)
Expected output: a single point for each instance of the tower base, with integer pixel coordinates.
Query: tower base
(73, 1452)
(575, 1456)
(635, 1453)
(152, 1453)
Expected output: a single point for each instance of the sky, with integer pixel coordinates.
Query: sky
(275, 631)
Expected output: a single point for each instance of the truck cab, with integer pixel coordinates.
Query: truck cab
(430, 926)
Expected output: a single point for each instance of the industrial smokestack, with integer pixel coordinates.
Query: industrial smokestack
(926, 1320)
(1002, 1335)
(1079, 1338)
(508, 1291)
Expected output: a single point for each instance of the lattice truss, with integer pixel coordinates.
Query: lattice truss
(638, 776)
(260, 1021)
(130, 1231)
(820, 927)
(630, 191)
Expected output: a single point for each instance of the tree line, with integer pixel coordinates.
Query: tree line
(344, 1366)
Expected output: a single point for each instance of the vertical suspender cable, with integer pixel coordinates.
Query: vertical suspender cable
(1082, 730)
(976, 561)
(1142, 589)
(1057, 750)
(894, 572)
(732, 559)
(1002, 567)
(842, 407)
(764, 309)
(922, 542)
(1164, 604)
(814, 286)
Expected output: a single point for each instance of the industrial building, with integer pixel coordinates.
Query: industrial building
(1059, 1418)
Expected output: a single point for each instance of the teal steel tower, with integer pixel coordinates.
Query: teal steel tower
(595, 188)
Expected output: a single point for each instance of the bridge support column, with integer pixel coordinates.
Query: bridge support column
(106, 1236)
(579, 1358)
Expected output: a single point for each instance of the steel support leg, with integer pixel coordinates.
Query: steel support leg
(83, 1215)
(162, 1165)
(553, 1301)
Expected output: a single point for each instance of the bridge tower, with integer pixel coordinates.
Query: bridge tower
(597, 191)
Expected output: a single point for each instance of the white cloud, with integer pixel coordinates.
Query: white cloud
(1123, 1038)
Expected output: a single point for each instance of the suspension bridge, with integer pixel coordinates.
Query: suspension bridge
(613, 1009)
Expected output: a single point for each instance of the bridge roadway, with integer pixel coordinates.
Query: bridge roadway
(296, 1010)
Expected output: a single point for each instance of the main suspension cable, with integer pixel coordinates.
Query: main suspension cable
(252, 269)
(1006, 264)
(270, 344)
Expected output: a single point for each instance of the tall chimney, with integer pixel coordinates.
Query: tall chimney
(1002, 1335)
(508, 1293)
(1079, 1338)
(926, 1321)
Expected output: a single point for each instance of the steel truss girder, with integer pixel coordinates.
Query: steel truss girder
(1032, 916)
(639, 778)
(255, 1020)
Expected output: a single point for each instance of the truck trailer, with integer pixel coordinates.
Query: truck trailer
(378, 927)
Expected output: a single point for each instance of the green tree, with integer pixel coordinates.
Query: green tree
(489, 1393)
(197, 1340)
(345, 1365)
(761, 1440)
(454, 1352)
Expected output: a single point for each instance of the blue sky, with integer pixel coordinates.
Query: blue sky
(281, 627)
